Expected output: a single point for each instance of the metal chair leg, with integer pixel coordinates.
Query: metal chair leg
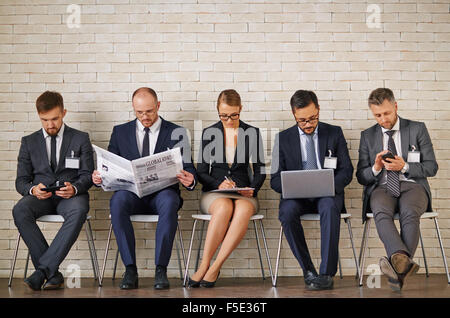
(14, 261)
(274, 282)
(199, 245)
(115, 265)
(349, 226)
(259, 250)
(363, 250)
(179, 259)
(186, 272)
(92, 252)
(106, 255)
(442, 249)
(266, 248)
(180, 237)
(26, 265)
(423, 253)
(340, 266)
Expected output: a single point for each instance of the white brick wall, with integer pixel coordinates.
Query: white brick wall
(189, 51)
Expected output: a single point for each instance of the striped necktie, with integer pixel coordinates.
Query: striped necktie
(393, 177)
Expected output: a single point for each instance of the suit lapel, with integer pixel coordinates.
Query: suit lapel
(163, 133)
(42, 148)
(378, 140)
(323, 142)
(404, 136)
(67, 137)
(296, 150)
(132, 140)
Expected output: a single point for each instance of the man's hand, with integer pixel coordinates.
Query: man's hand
(38, 193)
(379, 163)
(396, 164)
(96, 177)
(186, 178)
(66, 192)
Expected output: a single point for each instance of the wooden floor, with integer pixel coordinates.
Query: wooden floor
(418, 286)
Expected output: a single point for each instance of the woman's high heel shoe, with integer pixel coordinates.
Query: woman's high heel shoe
(193, 283)
(206, 284)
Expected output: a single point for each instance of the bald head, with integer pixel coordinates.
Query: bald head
(146, 106)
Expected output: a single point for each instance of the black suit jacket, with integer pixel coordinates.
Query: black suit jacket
(33, 164)
(412, 133)
(288, 152)
(249, 156)
(123, 143)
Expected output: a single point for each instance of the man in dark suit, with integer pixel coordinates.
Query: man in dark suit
(395, 185)
(43, 162)
(304, 147)
(146, 135)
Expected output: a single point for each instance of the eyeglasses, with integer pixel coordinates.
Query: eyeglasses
(147, 112)
(302, 122)
(225, 117)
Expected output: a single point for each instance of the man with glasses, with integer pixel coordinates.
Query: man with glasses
(304, 146)
(146, 135)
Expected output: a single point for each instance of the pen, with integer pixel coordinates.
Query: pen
(229, 180)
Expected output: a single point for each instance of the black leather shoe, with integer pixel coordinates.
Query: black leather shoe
(36, 280)
(55, 282)
(130, 280)
(161, 281)
(193, 283)
(206, 284)
(309, 276)
(321, 282)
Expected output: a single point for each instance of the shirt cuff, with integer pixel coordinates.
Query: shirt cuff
(76, 190)
(192, 186)
(31, 190)
(375, 173)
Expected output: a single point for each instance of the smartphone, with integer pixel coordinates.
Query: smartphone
(388, 155)
(53, 189)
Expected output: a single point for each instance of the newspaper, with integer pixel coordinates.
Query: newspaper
(142, 176)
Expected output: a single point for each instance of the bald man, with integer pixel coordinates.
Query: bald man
(146, 135)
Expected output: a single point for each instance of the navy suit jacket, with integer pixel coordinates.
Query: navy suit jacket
(287, 150)
(123, 143)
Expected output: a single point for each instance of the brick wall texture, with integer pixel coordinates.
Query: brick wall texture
(189, 51)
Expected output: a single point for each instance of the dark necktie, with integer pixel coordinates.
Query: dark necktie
(393, 177)
(311, 162)
(53, 153)
(146, 143)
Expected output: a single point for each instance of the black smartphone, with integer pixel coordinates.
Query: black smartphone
(53, 189)
(388, 155)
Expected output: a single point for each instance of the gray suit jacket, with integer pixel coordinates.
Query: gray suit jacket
(412, 133)
(33, 163)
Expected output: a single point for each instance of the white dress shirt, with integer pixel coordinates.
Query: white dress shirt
(303, 141)
(152, 134)
(398, 145)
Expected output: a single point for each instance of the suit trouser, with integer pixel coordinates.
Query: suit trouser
(165, 203)
(29, 208)
(329, 209)
(411, 204)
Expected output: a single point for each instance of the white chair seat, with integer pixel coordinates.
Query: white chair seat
(207, 217)
(316, 216)
(426, 215)
(54, 218)
(144, 218)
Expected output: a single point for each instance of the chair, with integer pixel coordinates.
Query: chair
(207, 217)
(53, 218)
(426, 215)
(141, 218)
(316, 217)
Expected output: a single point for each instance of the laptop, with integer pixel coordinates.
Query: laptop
(300, 184)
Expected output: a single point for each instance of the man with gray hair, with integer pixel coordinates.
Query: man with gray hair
(395, 158)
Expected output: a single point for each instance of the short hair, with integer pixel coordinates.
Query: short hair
(229, 97)
(303, 98)
(48, 101)
(146, 90)
(378, 96)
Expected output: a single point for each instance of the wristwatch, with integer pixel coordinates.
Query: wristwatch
(405, 168)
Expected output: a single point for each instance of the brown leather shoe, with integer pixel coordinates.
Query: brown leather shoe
(394, 281)
(403, 264)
